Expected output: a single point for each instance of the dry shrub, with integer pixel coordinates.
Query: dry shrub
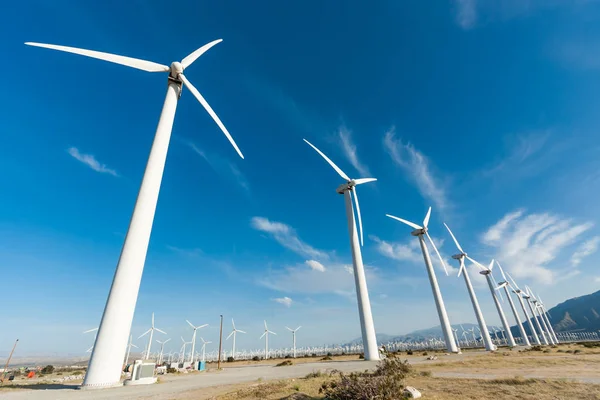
(262, 390)
(516, 381)
(385, 383)
(284, 363)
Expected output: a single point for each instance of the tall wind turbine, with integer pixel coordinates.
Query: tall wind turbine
(151, 332)
(293, 337)
(546, 315)
(266, 336)
(487, 272)
(519, 292)
(504, 284)
(162, 347)
(532, 308)
(104, 369)
(421, 232)
(204, 343)
(233, 333)
(485, 334)
(195, 328)
(129, 346)
(364, 305)
(536, 308)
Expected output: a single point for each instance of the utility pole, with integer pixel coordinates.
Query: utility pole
(8, 361)
(220, 344)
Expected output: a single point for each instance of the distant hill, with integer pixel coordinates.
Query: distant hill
(578, 313)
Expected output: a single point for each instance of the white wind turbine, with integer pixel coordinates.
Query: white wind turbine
(266, 336)
(485, 334)
(195, 328)
(532, 308)
(293, 337)
(504, 284)
(536, 308)
(519, 293)
(233, 333)
(364, 305)
(162, 347)
(204, 343)
(104, 369)
(151, 332)
(420, 232)
(487, 272)
(546, 315)
(129, 346)
(182, 356)
(95, 336)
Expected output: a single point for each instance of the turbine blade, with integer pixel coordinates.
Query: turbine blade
(230, 335)
(237, 330)
(160, 331)
(491, 266)
(202, 326)
(144, 65)
(426, 220)
(291, 330)
(502, 271)
(233, 323)
(210, 111)
(186, 62)
(436, 250)
(477, 263)
(359, 216)
(167, 340)
(460, 270)
(153, 320)
(496, 285)
(90, 330)
(411, 224)
(337, 169)
(360, 181)
(273, 333)
(298, 327)
(133, 345)
(192, 325)
(261, 336)
(145, 333)
(266, 329)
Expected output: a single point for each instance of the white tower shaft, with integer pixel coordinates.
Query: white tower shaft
(537, 321)
(536, 339)
(104, 369)
(516, 314)
(193, 346)
(233, 347)
(552, 333)
(545, 326)
(511, 339)
(364, 305)
(485, 334)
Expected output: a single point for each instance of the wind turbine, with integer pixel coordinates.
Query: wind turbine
(504, 284)
(104, 369)
(151, 332)
(364, 305)
(162, 346)
(129, 346)
(266, 335)
(487, 272)
(95, 336)
(546, 315)
(540, 316)
(182, 356)
(204, 343)
(532, 308)
(294, 337)
(233, 333)
(519, 293)
(420, 232)
(485, 334)
(195, 328)
(455, 330)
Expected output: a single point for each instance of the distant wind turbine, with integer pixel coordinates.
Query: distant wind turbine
(195, 328)
(233, 333)
(204, 343)
(504, 284)
(266, 336)
(151, 332)
(162, 347)
(293, 337)
(487, 272)
(129, 346)
(520, 295)
(95, 336)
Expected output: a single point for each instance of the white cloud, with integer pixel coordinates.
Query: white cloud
(527, 244)
(287, 237)
(186, 252)
(399, 251)
(466, 13)
(286, 301)
(418, 167)
(349, 148)
(223, 167)
(349, 269)
(587, 248)
(597, 279)
(90, 161)
(315, 265)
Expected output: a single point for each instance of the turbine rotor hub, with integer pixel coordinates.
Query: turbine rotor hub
(345, 186)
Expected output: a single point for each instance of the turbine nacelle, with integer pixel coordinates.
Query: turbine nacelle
(176, 69)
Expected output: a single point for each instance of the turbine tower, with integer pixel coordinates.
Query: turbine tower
(536, 305)
(487, 272)
(504, 284)
(364, 305)
(527, 297)
(162, 346)
(546, 316)
(104, 369)
(151, 332)
(195, 328)
(293, 337)
(421, 232)
(204, 343)
(233, 333)
(519, 293)
(266, 336)
(485, 334)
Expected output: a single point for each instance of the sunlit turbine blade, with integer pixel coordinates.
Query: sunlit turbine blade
(266, 329)
(360, 181)
(202, 326)
(208, 109)
(91, 330)
(233, 323)
(358, 214)
(89, 350)
(298, 327)
(230, 335)
(477, 263)
(460, 270)
(337, 169)
(133, 345)
(153, 320)
(144, 65)
(272, 333)
(426, 220)
(263, 335)
(291, 330)
(491, 266)
(237, 330)
(453, 238)
(186, 62)
(502, 271)
(145, 333)
(192, 325)
(496, 285)
(167, 340)
(513, 281)
(437, 252)
(158, 330)
(411, 224)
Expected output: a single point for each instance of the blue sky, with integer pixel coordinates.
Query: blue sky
(487, 113)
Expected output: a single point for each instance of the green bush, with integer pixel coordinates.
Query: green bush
(230, 359)
(171, 370)
(256, 358)
(361, 356)
(409, 352)
(326, 358)
(48, 369)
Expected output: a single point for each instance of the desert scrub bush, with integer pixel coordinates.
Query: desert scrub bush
(230, 359)
(560, 351)
(547, 351)
(256, 358)
(326, 358)
(517, 380)
(296, 388)
(536, 348)
(48, 369)
(288, 356)
(261, 391)
(425, 373)
(361, 356)
(385, 383)
(314, 374)
(424, 353)
(577, 351)
(409, 352)
(329, 354)
(171, 370)
(284, 363)
(591, 345)
(77, 373)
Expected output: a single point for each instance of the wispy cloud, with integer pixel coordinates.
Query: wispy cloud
(90, 161)
(222, 167)
(286, 301)
(287, 237)
(345, 138)
(466, 13)
(526, 244)
(587, 248)
(185, 252)
(315, 265)
(416, 165)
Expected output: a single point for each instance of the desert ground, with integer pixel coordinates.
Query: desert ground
(559, 372)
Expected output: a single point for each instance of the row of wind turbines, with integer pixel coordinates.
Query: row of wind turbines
(113, 335)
